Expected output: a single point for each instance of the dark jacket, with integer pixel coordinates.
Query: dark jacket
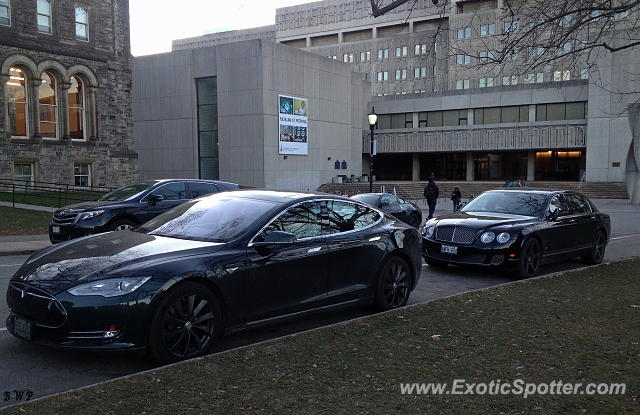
(456, 195)
(431, 192)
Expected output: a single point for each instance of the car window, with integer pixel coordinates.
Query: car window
(345, 217)
(373, 200)
(513, 203)
(218, 218)
(303, 220)
(172, 191)
(558, 202)
(127, 192)
(578, 204)
(389, 200)
(200, 189)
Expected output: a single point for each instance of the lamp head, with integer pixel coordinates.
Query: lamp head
(372, 117)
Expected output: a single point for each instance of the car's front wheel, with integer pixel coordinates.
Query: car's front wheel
(394, 284)
(530, 260)
(121, 225)
(185, 324)
(597, 252)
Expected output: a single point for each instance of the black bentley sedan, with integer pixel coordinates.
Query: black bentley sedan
(405, 211)
(518, 230)
(229, 260)
(128, 206)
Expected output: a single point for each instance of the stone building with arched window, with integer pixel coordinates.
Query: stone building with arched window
(65, 93)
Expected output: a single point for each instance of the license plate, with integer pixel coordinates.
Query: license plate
(22, 328)
(56, 229)
(452, 250)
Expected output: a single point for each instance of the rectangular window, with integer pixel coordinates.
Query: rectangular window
(462, 84)
(416, 73)
(463, 59)
(422, 118)
(539, 77)
(345, 58)
(492, 115)
(575, 111)
(416, 51)
(5, 12)
(510, 80)
(423, 48)
(530, 78)
(404, 74)
(486, 82)
(23, 174)
(398, 74)
(463, 33)
(556, 112)
(207, 101)
(385, 53)
(362, 57)
(434, 119)
(512, 26)
(379, 77)
(380, 54)
(566, 48)
(384, 122)
(451, 118)
(82, 175)
(82, 24)
(487, 29)
(386, 75)
(536, 51)
(44, 16)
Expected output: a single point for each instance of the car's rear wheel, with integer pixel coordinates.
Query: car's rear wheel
(122, 225)
(186, 323)
(414, 220)
(597, 252)
(394, 284)
(530, 260)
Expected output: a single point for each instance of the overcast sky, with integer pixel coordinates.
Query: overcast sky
(155, 23)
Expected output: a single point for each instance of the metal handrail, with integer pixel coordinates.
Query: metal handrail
(62, 193)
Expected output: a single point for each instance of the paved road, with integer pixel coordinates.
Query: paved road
(45, 371)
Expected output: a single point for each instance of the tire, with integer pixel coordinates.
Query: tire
(596, 255)
(414, 220)
(530, 260)
(173, 335)
(436, 263)
(121, 225)
(393, 285)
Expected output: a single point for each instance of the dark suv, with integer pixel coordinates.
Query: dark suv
(128, 206)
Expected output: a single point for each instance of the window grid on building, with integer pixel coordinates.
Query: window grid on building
(487, 29)
(23, 174)
(82, 175)
(82, 24)
(5, 12)
(44, 16)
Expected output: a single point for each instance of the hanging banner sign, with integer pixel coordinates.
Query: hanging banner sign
(293, 126)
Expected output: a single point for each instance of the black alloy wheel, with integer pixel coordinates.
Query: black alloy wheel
(597, 252)
(530, 260)
(394, 283)
(185, 324)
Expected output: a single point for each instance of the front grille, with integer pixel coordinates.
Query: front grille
(497, 259)
(35, 304)
(64, 217)
(455, 234)
(471, 259)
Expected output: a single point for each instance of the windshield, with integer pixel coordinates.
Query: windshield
(513, 203)
(127, 192)
(218, 218)
(373, 200)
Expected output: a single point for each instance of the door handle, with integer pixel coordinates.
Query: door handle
(312, 250)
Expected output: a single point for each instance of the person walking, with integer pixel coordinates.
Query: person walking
(456, 197)
(431, 193)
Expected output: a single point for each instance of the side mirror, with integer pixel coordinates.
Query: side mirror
(276, 238)
(461, 205)
(153, 198)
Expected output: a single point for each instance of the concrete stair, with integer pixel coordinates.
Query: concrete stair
(413, 190)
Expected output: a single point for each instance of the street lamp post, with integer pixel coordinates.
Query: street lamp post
(373, 119)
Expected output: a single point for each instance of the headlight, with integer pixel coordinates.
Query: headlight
(88, 215)
(428, 231)
(109, 288)
(503, 238)
(487, 237)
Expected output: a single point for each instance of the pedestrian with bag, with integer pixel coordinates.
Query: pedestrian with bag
(456, 197)
(431, 193)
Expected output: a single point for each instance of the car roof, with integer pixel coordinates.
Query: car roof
(531, 190)
(277, 196)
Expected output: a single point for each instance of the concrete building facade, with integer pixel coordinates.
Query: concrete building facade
(65, 89)
(443, 115)
(218, 117)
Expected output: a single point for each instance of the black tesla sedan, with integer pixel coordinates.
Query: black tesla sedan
(405, 211)
(518, 230)
(128, 206)
(224, 261)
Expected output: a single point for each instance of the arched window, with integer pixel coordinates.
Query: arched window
(44, 16)
(77, 119)
(48, 101)
(82, 23)
(16, 96)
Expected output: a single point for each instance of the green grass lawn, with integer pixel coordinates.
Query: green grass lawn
(577, 327)
(50, 199)
(23, 222)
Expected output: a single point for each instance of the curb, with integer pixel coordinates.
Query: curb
(341, 323)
